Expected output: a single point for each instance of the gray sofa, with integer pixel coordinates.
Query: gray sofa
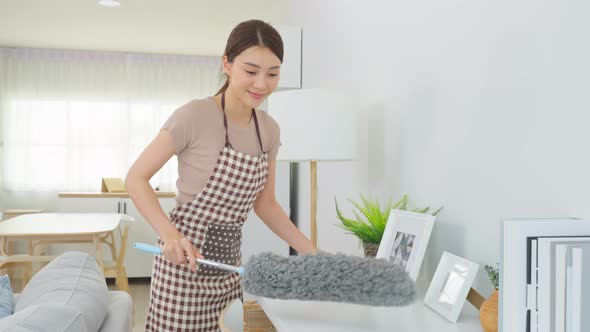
(70, 294)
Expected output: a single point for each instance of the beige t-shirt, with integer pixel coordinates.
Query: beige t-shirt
(199, 135)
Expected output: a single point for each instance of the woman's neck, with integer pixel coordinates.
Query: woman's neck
(235, 110)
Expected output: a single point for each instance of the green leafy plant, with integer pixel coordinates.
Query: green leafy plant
(494, 275)
(370, 220)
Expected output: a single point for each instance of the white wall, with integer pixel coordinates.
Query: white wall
(479, 106)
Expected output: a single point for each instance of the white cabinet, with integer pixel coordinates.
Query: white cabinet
(291, 67)
(137, 264)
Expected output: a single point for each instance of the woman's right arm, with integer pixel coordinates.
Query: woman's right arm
(150, 161)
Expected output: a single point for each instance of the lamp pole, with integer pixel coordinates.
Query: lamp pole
(293, 199)
(313, 169)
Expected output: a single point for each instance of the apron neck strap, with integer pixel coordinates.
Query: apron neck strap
(227, 143)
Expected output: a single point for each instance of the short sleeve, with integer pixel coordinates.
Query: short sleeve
(180, 126)
(276, 143)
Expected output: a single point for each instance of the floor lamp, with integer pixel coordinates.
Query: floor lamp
(317, 125)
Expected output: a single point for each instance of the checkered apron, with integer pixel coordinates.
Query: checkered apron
(183, 300)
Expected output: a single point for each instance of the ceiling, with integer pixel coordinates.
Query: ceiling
(146, 26)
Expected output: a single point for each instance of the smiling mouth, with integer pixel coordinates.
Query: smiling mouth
(256, 95)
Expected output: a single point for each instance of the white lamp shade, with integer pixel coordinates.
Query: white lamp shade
(316, 124)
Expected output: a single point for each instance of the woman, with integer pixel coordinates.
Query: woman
(226, 162)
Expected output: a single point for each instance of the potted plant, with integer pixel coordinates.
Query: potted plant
(370, 220)
(488, 312)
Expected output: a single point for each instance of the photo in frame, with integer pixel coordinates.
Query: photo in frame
(405, 239)
(450, 285)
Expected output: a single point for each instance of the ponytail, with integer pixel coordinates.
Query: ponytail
(224, 87)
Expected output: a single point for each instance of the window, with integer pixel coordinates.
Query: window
(70, 118)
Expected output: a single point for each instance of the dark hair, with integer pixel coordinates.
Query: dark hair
(251, 33)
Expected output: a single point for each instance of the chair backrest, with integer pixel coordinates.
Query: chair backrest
(232, 317)
(126, 220)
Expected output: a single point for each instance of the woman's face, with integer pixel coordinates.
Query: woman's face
(253, 75)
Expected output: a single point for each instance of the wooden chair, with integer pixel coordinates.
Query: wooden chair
(10, 265)
(7, 214)
(255, 320)
(117, 270)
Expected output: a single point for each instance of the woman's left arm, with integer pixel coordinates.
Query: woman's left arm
(273, 215)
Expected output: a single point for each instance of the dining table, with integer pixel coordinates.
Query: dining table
(41, 229)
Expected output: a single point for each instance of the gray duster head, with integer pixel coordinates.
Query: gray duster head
(328, 277)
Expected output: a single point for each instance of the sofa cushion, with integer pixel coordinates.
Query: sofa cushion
(6, 297)
(73, 279)
(120, 313)
(44, 317)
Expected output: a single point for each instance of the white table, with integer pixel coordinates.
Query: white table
(308, 316)
(45, 228)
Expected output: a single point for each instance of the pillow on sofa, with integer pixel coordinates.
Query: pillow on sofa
(45, 317)
(73, 279)
(6, 297)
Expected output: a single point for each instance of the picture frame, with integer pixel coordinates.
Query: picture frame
(450, 285)
(405, 239)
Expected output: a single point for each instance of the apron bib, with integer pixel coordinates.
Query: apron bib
(183, 300)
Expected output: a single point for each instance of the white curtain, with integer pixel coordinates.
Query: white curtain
(69, 118)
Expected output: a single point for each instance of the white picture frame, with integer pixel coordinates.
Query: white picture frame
(450, 285)
(405, 239)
